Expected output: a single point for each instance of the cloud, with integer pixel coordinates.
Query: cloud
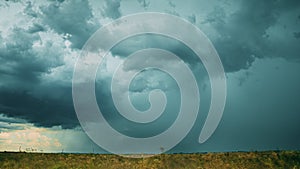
(37, 64)
(133, 44)
(74, 18)
(111, 9)
(29, 10)
(36, 28)
(8, 127)
(42, 111)
(247, 33)
(25, 57)
(5, 119)
(39, 45)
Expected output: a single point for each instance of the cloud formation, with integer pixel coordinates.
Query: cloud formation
(111, 9)
(39, 45)
(25, 56)
(253, 31)
(73, 18)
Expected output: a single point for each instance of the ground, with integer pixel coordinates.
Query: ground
(239, 160)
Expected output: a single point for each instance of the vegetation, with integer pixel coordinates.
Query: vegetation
(270, 159)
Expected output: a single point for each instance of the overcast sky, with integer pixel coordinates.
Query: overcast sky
(257, 41)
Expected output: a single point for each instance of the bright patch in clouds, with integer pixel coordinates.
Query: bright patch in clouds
(29, 138)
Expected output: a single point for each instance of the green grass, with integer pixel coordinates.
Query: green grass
(239, 160)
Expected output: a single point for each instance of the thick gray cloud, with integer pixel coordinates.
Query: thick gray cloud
(36, 83)
(23, 55)
(252, 29)
(74, 18)
(248, 33)
(32, 53)
(133, 44)
(41, 111)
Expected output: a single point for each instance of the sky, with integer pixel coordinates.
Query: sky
(257, 42)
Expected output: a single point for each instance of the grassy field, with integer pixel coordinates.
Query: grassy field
(239, 160)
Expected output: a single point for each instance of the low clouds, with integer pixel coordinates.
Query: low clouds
(42, 111)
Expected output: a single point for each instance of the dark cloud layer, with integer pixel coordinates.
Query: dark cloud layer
(42, 111)
(255, 30)
(27, 57)
(21, 60)
(244, 35)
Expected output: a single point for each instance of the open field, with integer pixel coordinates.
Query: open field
(270, 159)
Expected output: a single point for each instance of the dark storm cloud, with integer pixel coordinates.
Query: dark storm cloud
(250, 32)
(42, 111)
(133, 44)
(26, 58)
(21, 61)
(71, 17)
(244, 34)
